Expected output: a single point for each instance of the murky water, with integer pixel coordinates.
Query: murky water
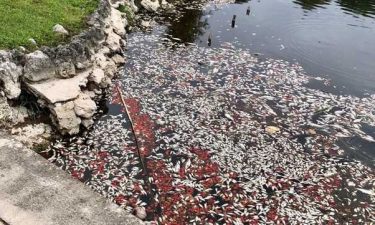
(198, 134)
(334, 39)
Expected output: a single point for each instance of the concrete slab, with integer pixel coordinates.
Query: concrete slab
(60, 90)
(34, 191)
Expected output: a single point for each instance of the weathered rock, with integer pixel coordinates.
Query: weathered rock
(118, 59)
(113, 42)
(101, 60)
(116, 3)
(145, 24)
(59, 29)
(11, 115)
(65, 118)
(32, 41)
(9, 77)
(150, 5)
(21, 49)
(166, 5)
(140, 212)
(60, 90)
(87, 122)
(19, 114)
(79, 54)
(133, 6)
(90, 93)
(97, 76)
(118, 22)
(5, 112)
(32, 134)
(38, 67)
(110, 69)
(4, 56)
(66, 69)
(84, 106)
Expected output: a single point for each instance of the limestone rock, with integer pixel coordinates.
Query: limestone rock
(150, 5)
(60, 90)
(116, 3)
(9, 77)
(11, 115)
(75, 54)
(32, 41)
(19, 114)
(5, 112)
(90, 93)
(59, 29)
(118, 59)
(110, 69)
(32, 134)
(118, 22)
(133, 6)
(87, 122)
(97, 76)
(106, 82)
(145, 24)
(4, 56)
(66, 70)
(113, 42)
(101, 60)
(38, 67)
(65, 118)
(166, 5)
(84, 106)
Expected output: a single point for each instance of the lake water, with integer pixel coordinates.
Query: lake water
(212, 133)
(333, 39)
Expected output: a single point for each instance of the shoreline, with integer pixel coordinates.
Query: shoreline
(66, 80)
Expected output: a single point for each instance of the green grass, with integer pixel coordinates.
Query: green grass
(24, 19)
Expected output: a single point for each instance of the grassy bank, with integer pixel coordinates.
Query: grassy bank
(21, 20)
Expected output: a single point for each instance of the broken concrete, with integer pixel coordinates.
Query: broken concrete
(34, 191)
(60, 90)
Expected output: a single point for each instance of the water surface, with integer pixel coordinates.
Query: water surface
(333, 39)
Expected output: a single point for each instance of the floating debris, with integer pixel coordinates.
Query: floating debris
(227, 138)
(272, 129)
(368, 192)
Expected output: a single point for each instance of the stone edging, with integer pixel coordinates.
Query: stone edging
(67, 78)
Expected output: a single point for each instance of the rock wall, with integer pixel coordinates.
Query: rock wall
(67, 78)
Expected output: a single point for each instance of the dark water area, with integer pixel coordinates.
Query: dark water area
(331, 39)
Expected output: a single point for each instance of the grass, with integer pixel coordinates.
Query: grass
(21, 20)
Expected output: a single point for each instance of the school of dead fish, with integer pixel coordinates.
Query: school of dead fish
(226, 138)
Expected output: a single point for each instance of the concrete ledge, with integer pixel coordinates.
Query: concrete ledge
(34, 191)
